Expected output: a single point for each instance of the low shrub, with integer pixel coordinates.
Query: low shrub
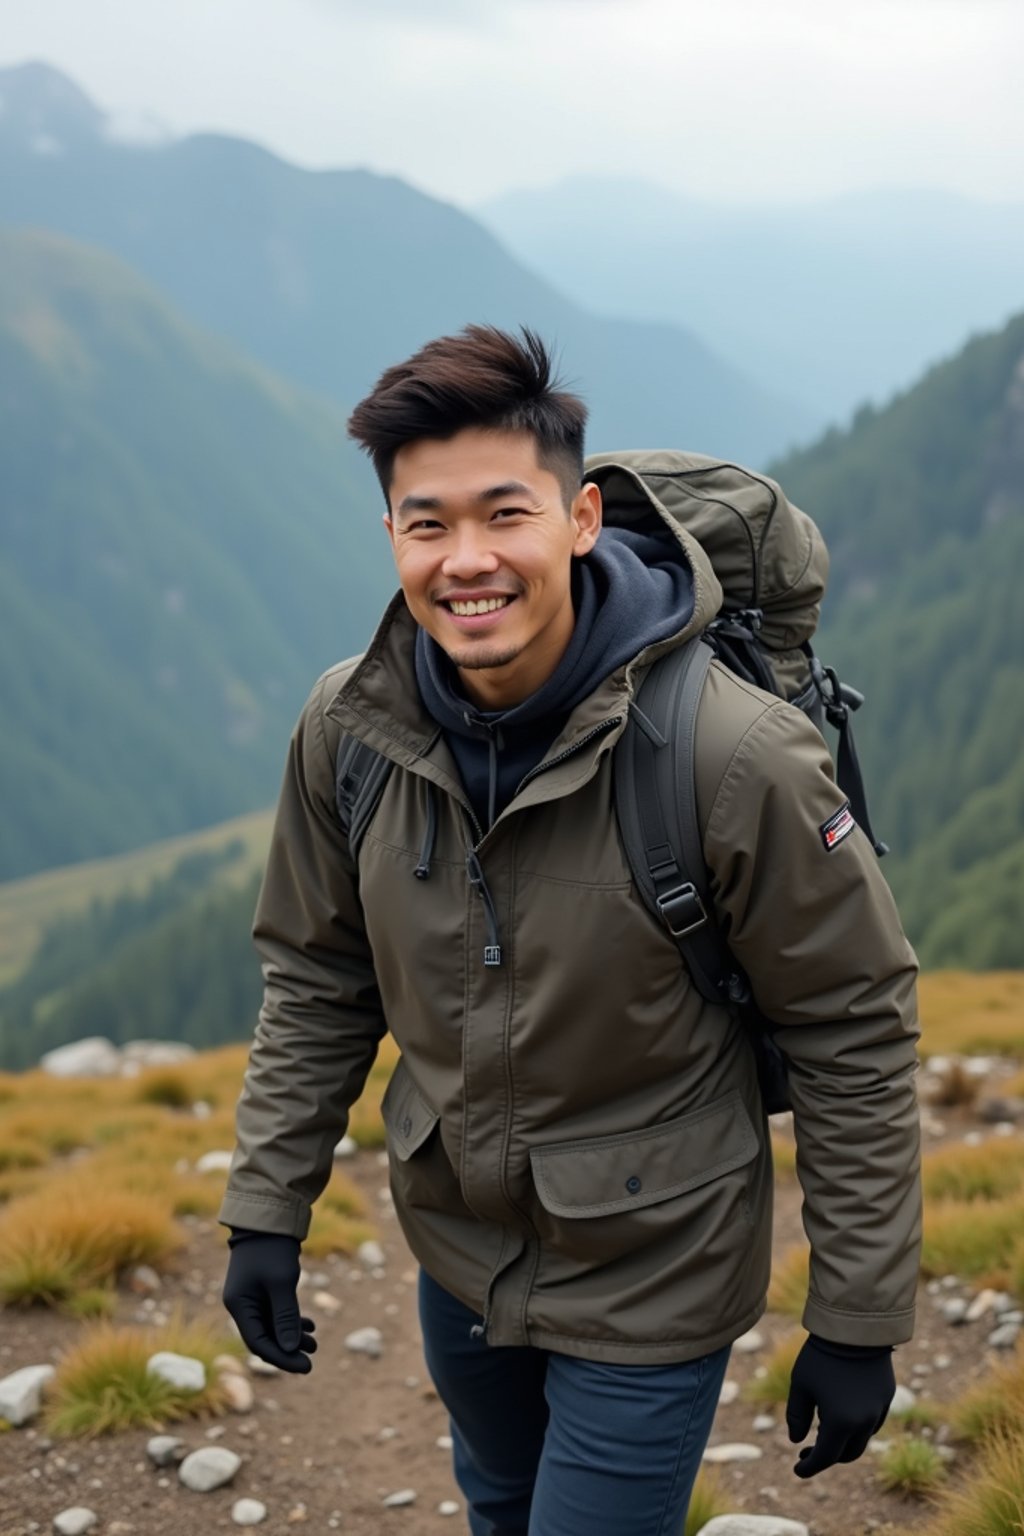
(995, 1406)
(954, 1087)
(165, 1086)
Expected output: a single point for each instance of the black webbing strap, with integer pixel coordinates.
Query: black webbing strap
(656, 806)
(360, 776)
(839, 701)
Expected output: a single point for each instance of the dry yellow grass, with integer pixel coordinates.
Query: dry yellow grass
(72, 1235)
(784, 1157)
(990, 1502)
(991, 1171)
(996, 1405)
(977, 1240)
(965, 1014)
(788, 1290)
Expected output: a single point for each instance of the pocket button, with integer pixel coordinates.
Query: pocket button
(634, 1185)
(406, 1125)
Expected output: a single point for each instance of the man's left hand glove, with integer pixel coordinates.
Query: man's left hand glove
(852, 1386)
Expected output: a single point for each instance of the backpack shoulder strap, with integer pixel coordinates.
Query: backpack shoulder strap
(361, 773)
(656, 806)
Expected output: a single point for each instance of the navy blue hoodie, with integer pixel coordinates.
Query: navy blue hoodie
(629, 591)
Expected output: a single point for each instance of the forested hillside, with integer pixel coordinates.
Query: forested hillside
(923, 508)
(184, 547)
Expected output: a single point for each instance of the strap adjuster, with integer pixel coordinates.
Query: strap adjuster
(682, 910)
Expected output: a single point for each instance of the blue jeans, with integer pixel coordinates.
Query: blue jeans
(548, 1445)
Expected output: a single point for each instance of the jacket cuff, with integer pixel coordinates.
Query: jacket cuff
(832, 1323)
(265, 1213)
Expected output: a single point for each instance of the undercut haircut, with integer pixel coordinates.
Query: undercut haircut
(482, 377)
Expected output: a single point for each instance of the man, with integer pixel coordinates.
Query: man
(579, 1156)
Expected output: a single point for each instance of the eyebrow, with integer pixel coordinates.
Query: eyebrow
(493, 493)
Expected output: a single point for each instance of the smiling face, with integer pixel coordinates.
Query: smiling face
(484, 543)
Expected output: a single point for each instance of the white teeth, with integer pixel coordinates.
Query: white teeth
(485, 605)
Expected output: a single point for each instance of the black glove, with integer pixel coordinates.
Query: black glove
(261, 1293)
(851, 1385)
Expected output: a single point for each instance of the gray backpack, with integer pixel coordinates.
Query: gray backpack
(771, 562)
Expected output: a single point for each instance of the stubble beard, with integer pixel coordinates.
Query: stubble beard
(480, 659)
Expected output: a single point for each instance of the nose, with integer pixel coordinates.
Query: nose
(469, 552)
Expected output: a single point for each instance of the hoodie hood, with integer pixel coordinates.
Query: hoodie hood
(634, 590)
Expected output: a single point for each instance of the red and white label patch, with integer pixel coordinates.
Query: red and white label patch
(837, 827)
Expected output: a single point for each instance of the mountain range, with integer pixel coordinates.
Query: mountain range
(328, 277)
(833, 303)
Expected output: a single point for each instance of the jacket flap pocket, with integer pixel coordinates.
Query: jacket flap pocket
(407, 1116)
(609, 1174)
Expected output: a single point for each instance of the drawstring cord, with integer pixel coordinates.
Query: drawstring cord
(422, 870)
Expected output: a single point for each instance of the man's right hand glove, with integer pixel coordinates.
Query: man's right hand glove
(261, 1293)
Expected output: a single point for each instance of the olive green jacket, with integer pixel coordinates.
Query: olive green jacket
(576, 1139)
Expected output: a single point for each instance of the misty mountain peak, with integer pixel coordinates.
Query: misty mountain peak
(44, 110)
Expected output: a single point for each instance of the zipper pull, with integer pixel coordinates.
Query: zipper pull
(492, 949)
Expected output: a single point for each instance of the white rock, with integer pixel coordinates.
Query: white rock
(93, 1057)
(165, 1450)
(177, 1370)
(982, 1303)
(1013, 1317)
(733, 1452)
(248, 1511)
(155, 1053)
(980, 1066)
(1001, 1303)
(447, 1507)
(1004, 1128)
(21, 1393)
(973, 1139)
(202, 1110)
(144, 1280)
(214, 1162)
(365, 1341)
(73, 1522)
(748, 1343)
(326, 1302)
(1005, 1336)
(228, 1365)
(753, 1525)
(387, 1433)
(400, 1499)
(347, 1147)
(209, 1468)
(370, 1254)
(238, 1392)
(954, 1310)
(261, 1367)
(763, 1423)
(942, 1362)
(444, 1442)
(729, 1393)
(949, 1282)
(903, 1400)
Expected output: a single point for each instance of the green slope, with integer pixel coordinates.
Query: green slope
(923, 507)
(184, 546)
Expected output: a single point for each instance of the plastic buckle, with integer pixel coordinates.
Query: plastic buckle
(682, 910)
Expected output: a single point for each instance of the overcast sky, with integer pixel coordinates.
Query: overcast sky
(726, 99)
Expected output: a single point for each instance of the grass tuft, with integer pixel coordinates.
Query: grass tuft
(102, 1384)
(66, 1238)
(912, 1468)
(788, 1291)
(954, 1087)
(773, 1386)
(707, 1501)
(995, 1406)
(991, 1501)
(975, 1239)
(989, 1172)
(165, 1086)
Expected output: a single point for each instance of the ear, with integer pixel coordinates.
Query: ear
(586, 518)
(390, 528)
